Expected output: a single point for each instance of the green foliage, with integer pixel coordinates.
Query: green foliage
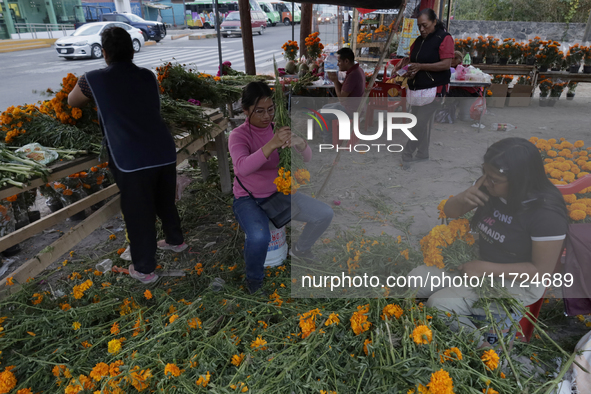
(566, 11)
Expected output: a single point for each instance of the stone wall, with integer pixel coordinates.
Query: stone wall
(519, 30)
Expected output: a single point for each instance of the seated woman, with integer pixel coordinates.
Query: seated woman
(253, 147)
(522, 223)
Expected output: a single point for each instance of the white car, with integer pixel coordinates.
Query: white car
(86, 40)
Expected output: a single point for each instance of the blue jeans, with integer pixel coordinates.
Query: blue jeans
(255, 223)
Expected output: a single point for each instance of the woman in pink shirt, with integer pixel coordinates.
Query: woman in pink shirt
(253, 147)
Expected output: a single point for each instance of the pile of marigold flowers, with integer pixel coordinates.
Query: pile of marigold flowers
(564, 163)
(75, 330)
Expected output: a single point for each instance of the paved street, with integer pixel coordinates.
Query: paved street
(26, 73)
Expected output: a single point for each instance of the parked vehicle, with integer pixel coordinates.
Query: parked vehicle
(326, 18)
(88, 13)
(284, 9)
(273, 17)
(202, 11)
(232, 23)
(151, 30)
(86, 40)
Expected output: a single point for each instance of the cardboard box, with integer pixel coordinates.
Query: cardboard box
(499, 95)
(520, 96)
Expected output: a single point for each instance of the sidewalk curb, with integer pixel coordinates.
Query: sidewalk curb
(203, 36)
(14, 45)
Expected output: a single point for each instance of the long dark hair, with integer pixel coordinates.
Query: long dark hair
(433, 18)
(520, 161)
(253, 93)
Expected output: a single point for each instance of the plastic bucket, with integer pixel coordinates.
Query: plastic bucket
(277, 250)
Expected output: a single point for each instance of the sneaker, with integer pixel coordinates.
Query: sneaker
(305, 255)
(127, 254)
(175, 248)
(144, 278)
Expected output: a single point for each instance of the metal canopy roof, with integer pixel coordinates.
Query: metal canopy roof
(378, 4)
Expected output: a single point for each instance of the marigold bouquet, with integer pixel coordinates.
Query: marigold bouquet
(290, 49)
(587, 55)
(314, 46)
(572, 86)
(286, 181)
(480, 44)
(532, 48)
(491, 47)
(448, 246)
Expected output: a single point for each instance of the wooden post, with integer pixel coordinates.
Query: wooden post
(221, 147)
(355, 31)
(305, 27)
(587, 34)
(246, 24)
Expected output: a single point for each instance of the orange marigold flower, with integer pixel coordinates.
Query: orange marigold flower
(422, 335)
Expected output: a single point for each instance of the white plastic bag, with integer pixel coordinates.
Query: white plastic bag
(421, 97)
(38, 153)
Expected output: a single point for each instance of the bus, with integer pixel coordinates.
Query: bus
(284, 9)
(200, 13)
(273, 16)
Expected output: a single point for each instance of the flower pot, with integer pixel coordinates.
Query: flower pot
(587, 69)
(489, 60)
(552, 101)
(570, 96)
(503, 61)
(77, 217)
(54, 205)
(512, 62)
(530, 61)
(574, 68)
(476, 60)
(543, 101)
(543, 68)
(555, 69)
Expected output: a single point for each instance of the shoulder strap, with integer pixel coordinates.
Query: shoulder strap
(248, 191)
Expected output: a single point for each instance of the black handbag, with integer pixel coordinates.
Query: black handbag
(277, 206)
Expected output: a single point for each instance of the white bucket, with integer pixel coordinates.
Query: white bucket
(277, 250)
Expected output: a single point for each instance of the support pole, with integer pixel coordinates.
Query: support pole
(441, 5)
(305, 27)
(340, 27)
(184, 14)
(246, 23)
(293, 21)
(448, 13)
(219, 36)
(587, 34)
(8, 18)
(355, 31)
(363, 105)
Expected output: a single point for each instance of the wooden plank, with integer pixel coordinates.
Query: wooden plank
(513, 69)
(28, 231)
(221, 147)
(566, 76)
(60, 171)
(36, 265)
(371, 45)
(186, 151)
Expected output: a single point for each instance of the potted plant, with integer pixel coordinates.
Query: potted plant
(558, 62)
(491, 47)
(506, 50)
(479, 50)
(570, 92)
(516, 54)
(547, 54)
(545, 87)
(314, 46)
(555, 92)
(532, 49)
(574, 57)
(587, 59)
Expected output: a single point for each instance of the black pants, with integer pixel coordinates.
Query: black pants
(146, 194)
(422, 130)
